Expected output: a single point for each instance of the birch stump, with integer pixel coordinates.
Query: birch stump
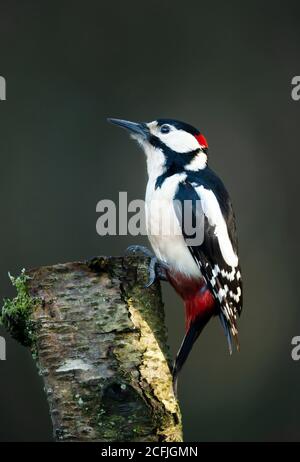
(100, 343)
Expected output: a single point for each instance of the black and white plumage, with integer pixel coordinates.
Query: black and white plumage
(207, 274)
(217, 253)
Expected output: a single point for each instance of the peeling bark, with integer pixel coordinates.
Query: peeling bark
(100, 343)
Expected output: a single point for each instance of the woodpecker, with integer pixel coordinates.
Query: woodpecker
(206, 274)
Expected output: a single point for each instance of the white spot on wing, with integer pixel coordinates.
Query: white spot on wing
(213, 212)
(236, 296)
(216, 270)
(230, 276)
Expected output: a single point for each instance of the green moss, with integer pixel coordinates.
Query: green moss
(15, 313)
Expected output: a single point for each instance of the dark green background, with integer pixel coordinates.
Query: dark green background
(225, 67)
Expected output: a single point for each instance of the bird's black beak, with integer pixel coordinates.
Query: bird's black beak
(140, 129)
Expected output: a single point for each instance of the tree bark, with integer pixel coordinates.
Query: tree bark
(99, 340)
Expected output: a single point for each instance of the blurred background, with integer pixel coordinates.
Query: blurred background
(225, 67)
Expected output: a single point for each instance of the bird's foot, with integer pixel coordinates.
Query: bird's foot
(139, 249)
(157, 269)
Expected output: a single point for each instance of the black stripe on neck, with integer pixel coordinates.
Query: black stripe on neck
(172, 170)
(175, 161)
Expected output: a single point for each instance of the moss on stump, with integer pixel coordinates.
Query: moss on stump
(100, 343)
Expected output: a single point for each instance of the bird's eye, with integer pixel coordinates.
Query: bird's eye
(165, 129)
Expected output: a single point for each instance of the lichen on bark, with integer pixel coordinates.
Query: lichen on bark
(16, 313)
(101, 347)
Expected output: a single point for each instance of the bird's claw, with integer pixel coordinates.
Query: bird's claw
(151, 272)
(157, 268)
(139, 249)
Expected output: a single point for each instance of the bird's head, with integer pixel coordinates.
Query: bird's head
(168, 144)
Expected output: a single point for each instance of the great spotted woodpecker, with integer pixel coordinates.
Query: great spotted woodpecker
(206, 274)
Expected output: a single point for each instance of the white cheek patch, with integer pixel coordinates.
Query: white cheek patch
(179, 141)
(198, 163)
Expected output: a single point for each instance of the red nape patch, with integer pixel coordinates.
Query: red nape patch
(202, 140)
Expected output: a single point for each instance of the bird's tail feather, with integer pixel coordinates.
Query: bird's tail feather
(231, 335)
(226, 330)
(195, 328)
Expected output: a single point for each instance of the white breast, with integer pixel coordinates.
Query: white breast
(163, 229)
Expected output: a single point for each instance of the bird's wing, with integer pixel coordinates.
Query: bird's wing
(215, 248)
